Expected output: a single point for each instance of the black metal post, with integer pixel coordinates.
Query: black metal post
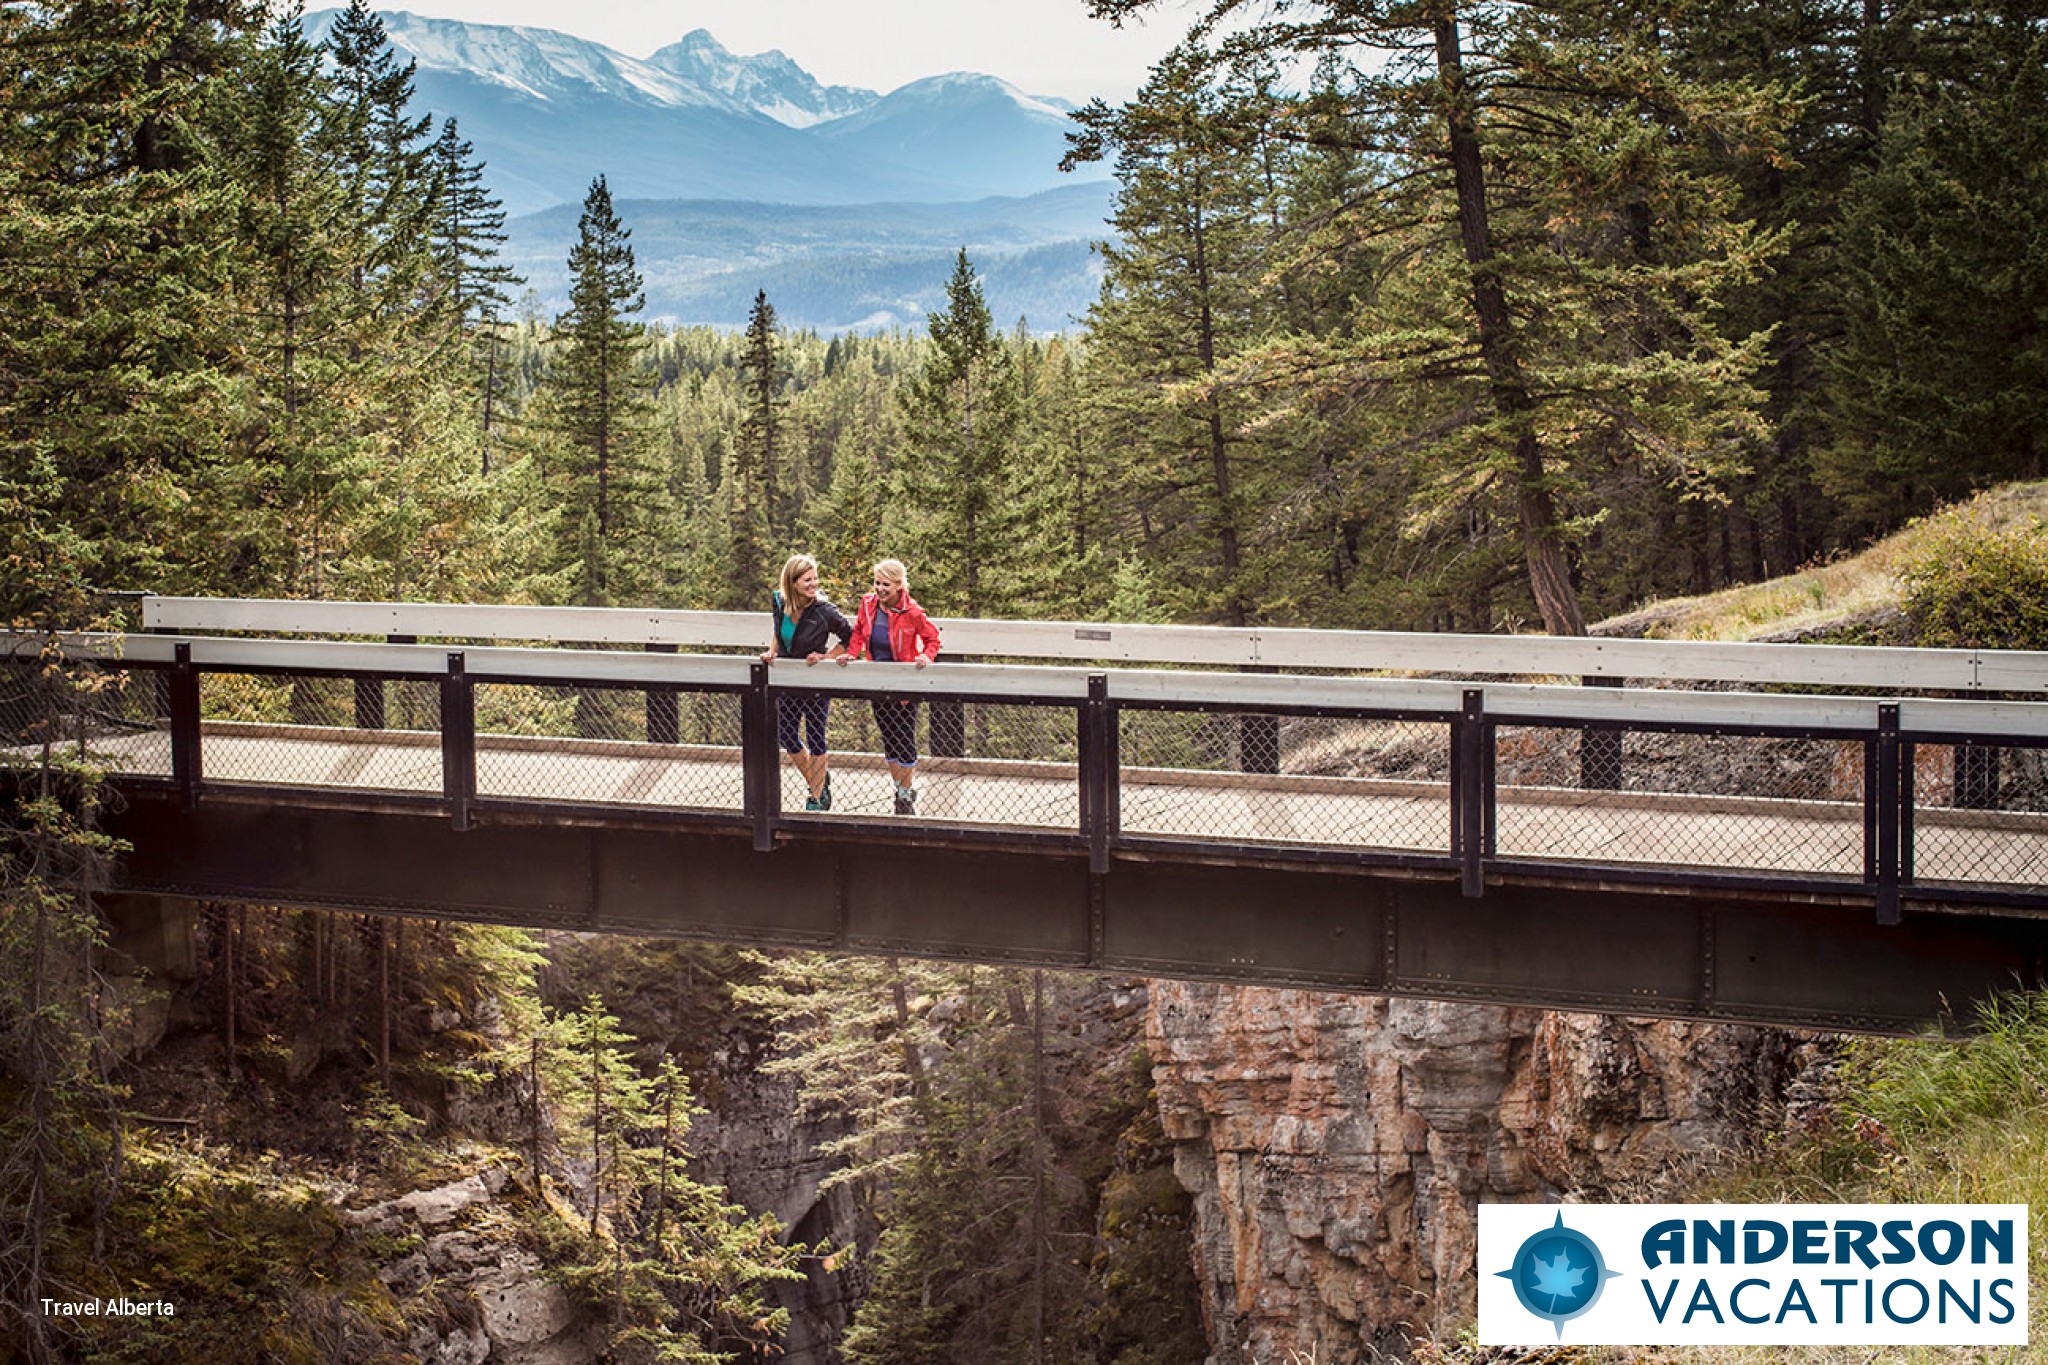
(1469, 791)
(369, 703)
(1600, 747)
(370, 712)
(458, 741)
(160, 686)
(1977, 776)
(664, 722)
(1098, 763)
(182, 695)
(1888, 823)
(760, 764)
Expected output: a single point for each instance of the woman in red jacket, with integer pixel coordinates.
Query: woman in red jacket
(892, 628)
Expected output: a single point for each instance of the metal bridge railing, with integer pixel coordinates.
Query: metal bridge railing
(1845, 795)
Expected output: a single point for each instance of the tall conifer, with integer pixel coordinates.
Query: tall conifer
(615, 506)
(961, 416)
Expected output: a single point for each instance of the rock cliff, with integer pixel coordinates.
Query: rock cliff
(1337, 1147)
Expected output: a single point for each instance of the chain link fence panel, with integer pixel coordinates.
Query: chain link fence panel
(1261, 778)
(1733, 802)
(302, 730)
(111, 717)
(609, 746)
(1980, 814)
(1013, 764)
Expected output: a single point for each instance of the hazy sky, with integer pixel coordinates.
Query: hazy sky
(1048, 47)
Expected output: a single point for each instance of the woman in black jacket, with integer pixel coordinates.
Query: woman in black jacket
(805, 623)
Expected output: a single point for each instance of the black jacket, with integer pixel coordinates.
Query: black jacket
(819, 621)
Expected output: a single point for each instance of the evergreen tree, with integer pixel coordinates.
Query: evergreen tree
(677, 1267)
(1561, 249)
(467, 230)
(616, 536)
(846, 523)
(115, 383)
(1939, 382)
(305, 471)
(1180, 297)
(110, 380)
(760, 493)
(385, 165)
(962, 412)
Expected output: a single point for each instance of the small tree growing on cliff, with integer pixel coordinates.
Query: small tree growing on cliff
(675, 1265)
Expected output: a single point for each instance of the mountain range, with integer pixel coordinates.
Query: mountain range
(746, 173)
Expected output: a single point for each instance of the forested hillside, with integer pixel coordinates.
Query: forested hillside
(1478, 318)
(1559, 308)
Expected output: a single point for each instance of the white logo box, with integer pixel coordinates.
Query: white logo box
(1762, 1274)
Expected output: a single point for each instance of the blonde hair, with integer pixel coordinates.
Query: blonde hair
(795, 567)
(893, 570)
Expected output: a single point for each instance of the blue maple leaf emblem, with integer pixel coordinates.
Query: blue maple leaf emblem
(1557, 1277)
(1558, 1273)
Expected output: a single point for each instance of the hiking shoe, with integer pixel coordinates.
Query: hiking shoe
(906, 800)
(825, 795)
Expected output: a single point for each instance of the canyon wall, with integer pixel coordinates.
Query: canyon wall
(1337, 1147)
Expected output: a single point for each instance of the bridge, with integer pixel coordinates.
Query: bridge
(1824, 836)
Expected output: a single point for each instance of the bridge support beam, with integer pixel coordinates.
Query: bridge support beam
(1550, 943)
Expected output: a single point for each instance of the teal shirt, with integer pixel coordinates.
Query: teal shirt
(788, 631)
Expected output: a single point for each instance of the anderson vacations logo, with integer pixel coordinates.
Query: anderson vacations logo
(1753, 1274)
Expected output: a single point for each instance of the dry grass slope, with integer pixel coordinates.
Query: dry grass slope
(1829, 597)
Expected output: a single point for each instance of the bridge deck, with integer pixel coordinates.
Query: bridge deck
(1825, 838)
(1815, 859)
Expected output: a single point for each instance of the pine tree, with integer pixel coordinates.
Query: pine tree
(764, 445)
(1939, 383)
(115, 386)
(962, 412)
(1179, 298)
(306, 470)
(676, 1266)
(110, 378)
(757, 495)
(1558, 246)
(616, 536)
(845, 524)
(385, 165)
(1065, 521)
(987, 1221)
(467, 230)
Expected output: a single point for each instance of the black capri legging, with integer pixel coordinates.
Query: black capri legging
(802, 718)
(896, 718)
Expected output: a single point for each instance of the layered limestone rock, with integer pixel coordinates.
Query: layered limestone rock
(471, 1292)
(1337, 1147)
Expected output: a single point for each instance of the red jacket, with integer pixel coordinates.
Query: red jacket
(911, 632)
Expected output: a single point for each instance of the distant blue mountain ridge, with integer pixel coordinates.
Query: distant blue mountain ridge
(841, 267)
(740, 173)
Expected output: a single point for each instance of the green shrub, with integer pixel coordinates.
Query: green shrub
(1923, 1089)
(1970, 587)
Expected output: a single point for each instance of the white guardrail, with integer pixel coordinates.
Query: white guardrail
(1505, 701)
(1869, 668)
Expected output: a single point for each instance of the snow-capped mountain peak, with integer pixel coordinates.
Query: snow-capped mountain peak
(539, 63)
(767, 82)
(547, 111)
